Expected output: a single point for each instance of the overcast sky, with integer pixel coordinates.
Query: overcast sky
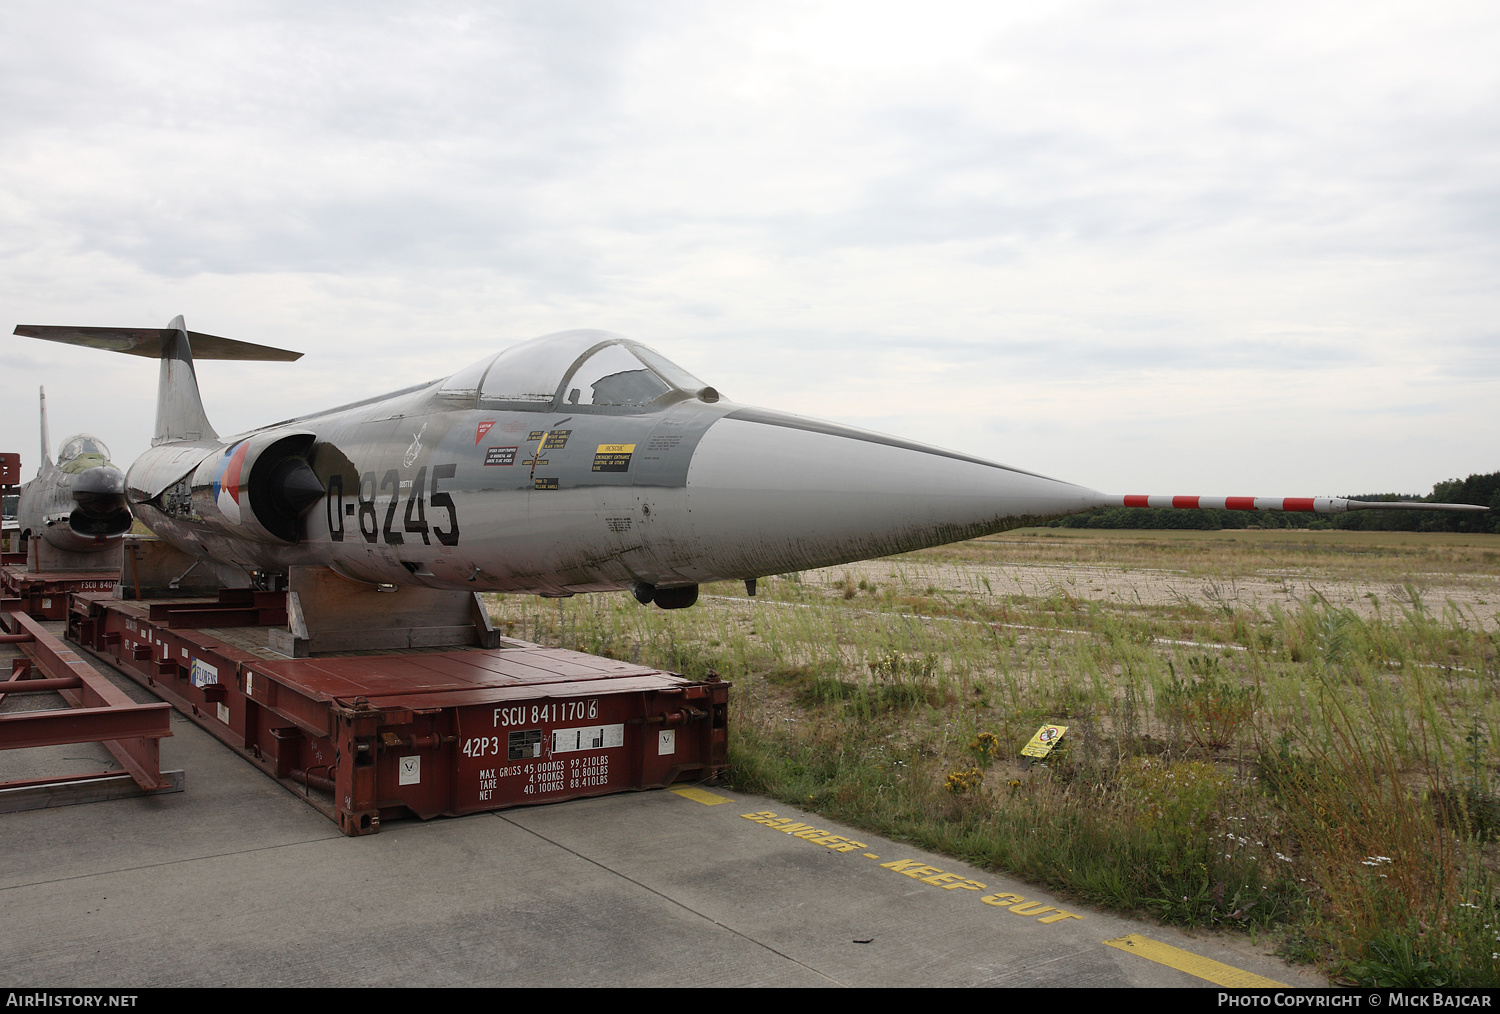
(1170, 248)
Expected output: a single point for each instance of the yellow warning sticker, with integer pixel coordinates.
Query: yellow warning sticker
(613, 457)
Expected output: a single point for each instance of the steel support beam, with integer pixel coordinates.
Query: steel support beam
(98, 711)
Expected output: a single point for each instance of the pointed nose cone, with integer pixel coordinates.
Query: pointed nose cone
(770, 493)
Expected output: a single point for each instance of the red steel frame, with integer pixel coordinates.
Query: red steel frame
(425, 733)
(97, 711)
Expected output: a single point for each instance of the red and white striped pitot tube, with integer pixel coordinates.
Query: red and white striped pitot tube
(1311, 504)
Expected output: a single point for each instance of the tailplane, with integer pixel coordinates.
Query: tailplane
(179, 406)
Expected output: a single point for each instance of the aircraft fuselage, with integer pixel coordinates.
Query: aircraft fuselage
(561, 501)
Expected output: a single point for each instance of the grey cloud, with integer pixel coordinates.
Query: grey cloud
(1124, 193)
(329, 139)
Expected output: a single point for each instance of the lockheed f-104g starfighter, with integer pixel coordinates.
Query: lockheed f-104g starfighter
(579, 461)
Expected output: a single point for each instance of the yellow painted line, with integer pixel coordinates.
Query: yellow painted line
(1215, 972)
(700, 795)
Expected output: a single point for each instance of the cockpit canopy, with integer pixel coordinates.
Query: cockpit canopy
(83, 443)
(575, 370)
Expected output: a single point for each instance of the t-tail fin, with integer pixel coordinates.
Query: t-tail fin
(179, 407)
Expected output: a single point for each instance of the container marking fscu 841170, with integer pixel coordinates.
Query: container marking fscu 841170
(550, 748)
(548, 711)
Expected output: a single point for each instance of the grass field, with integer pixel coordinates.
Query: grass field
(1289, 733)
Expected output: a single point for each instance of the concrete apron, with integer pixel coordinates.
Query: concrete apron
(237, 882)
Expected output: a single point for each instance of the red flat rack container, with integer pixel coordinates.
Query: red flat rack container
(366, 736)
(44, 596)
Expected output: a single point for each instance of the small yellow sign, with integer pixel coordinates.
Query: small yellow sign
(613, 457)
(1045, 739)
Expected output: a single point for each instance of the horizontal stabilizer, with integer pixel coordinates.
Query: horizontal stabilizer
(149, 341)
(1313, 504)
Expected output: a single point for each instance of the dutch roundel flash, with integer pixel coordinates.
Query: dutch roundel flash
(578, 461)
(226, 484)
